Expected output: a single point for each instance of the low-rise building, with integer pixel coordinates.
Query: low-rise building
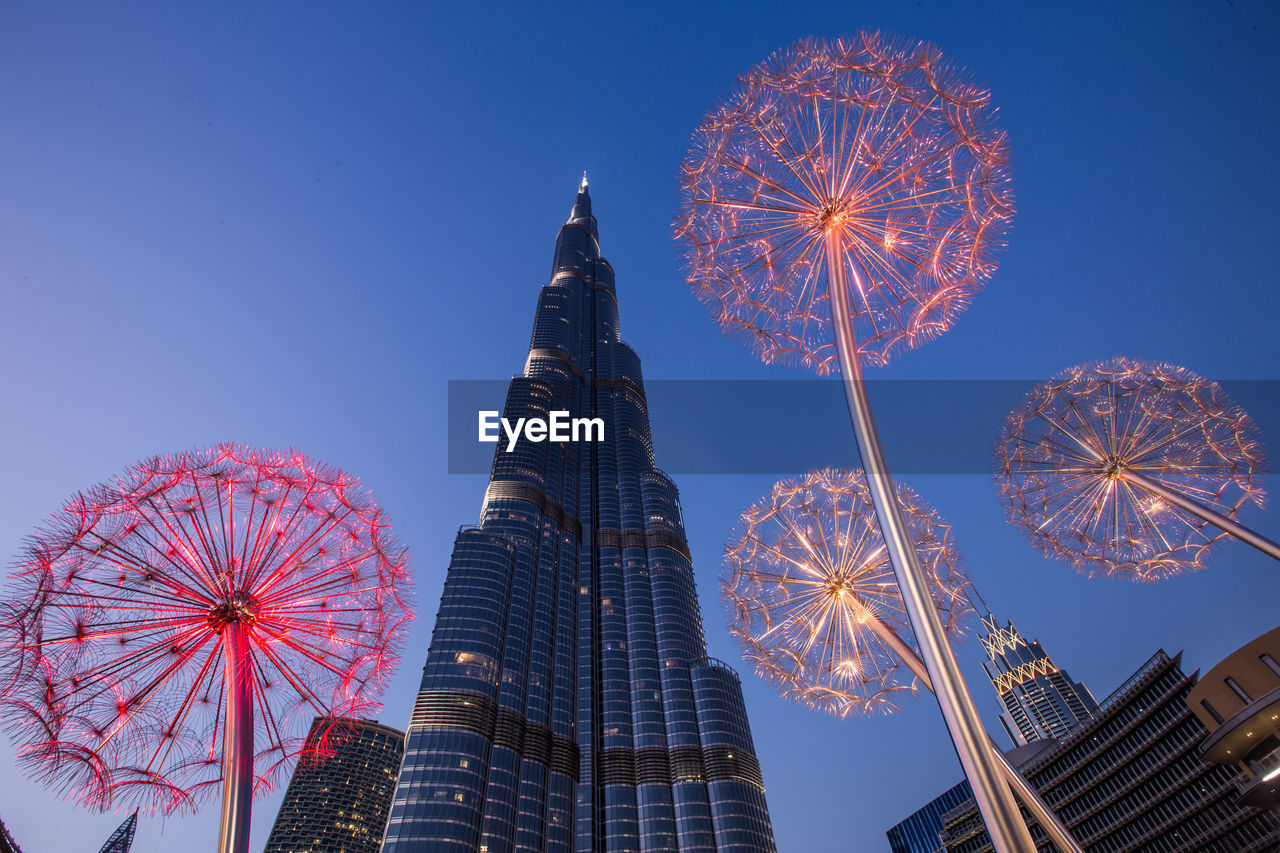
(1130, 779)
(1238, 701)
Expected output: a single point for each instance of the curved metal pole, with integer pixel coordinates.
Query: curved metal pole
(1030, 797)
(1200, 511)
(995, 801)
(237, 740)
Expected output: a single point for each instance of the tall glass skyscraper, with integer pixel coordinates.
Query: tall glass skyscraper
(1040, 700)
(337, 801)
(567, 703)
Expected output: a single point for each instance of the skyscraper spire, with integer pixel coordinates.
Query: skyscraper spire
(1040, 700)
(122, 839)
(568, 704)
(972, 593)
(581, 212)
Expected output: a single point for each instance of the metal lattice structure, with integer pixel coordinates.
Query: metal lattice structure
(194, 614)
(884, 146)
(121, 841)
(1072, 462)
(810, 591)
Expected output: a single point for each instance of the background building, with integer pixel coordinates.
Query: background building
(567, 702)
(921, 832)
(1040, 700)
(1130, 778)
(7, 844)
(121, 840)
(338, 804)
(1238, 701)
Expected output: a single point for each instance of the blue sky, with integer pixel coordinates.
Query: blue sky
(293, 225)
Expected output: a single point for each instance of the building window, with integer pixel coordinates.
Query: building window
(1212, 711)
(1238, 690)
(1270, 662)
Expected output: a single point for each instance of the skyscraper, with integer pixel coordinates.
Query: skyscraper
(567, 703)
(122, 839)
(1041, 703)
(338, 803)
(1040, 700)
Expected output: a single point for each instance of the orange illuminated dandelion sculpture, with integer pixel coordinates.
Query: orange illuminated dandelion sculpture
(814, 604)
(812, 596)
(1131, 469)
(171, 633)
(841, 206)
(877, 159)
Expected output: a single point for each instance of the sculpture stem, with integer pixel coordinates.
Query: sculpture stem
(995, 801)
(237, 740)
(1030, 797)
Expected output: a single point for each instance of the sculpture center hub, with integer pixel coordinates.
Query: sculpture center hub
(838, 586)
(235, 608)
(832, 216)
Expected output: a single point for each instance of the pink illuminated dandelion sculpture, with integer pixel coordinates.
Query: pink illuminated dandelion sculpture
(177, 628)
(843, 205)
(812, 597)
(1130, 469)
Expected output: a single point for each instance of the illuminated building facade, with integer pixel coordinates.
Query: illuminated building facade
(1238, 701)
(567, 704)
(338, 803)
(1040, 700)
(1130, 778)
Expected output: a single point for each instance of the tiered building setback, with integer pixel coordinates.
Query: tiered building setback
(567, 704)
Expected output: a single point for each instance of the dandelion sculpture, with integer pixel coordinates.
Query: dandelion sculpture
(178, 627)
(1130, 469)
(844, 204)
(811, 591)
(814, 606)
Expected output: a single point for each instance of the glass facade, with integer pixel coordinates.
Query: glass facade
(338, 803)
(1040, 700)
(567, 702)
(922, 832)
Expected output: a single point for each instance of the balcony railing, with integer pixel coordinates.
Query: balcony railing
(1259, 770)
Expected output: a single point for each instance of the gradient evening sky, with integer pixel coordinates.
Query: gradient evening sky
(292, 225)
